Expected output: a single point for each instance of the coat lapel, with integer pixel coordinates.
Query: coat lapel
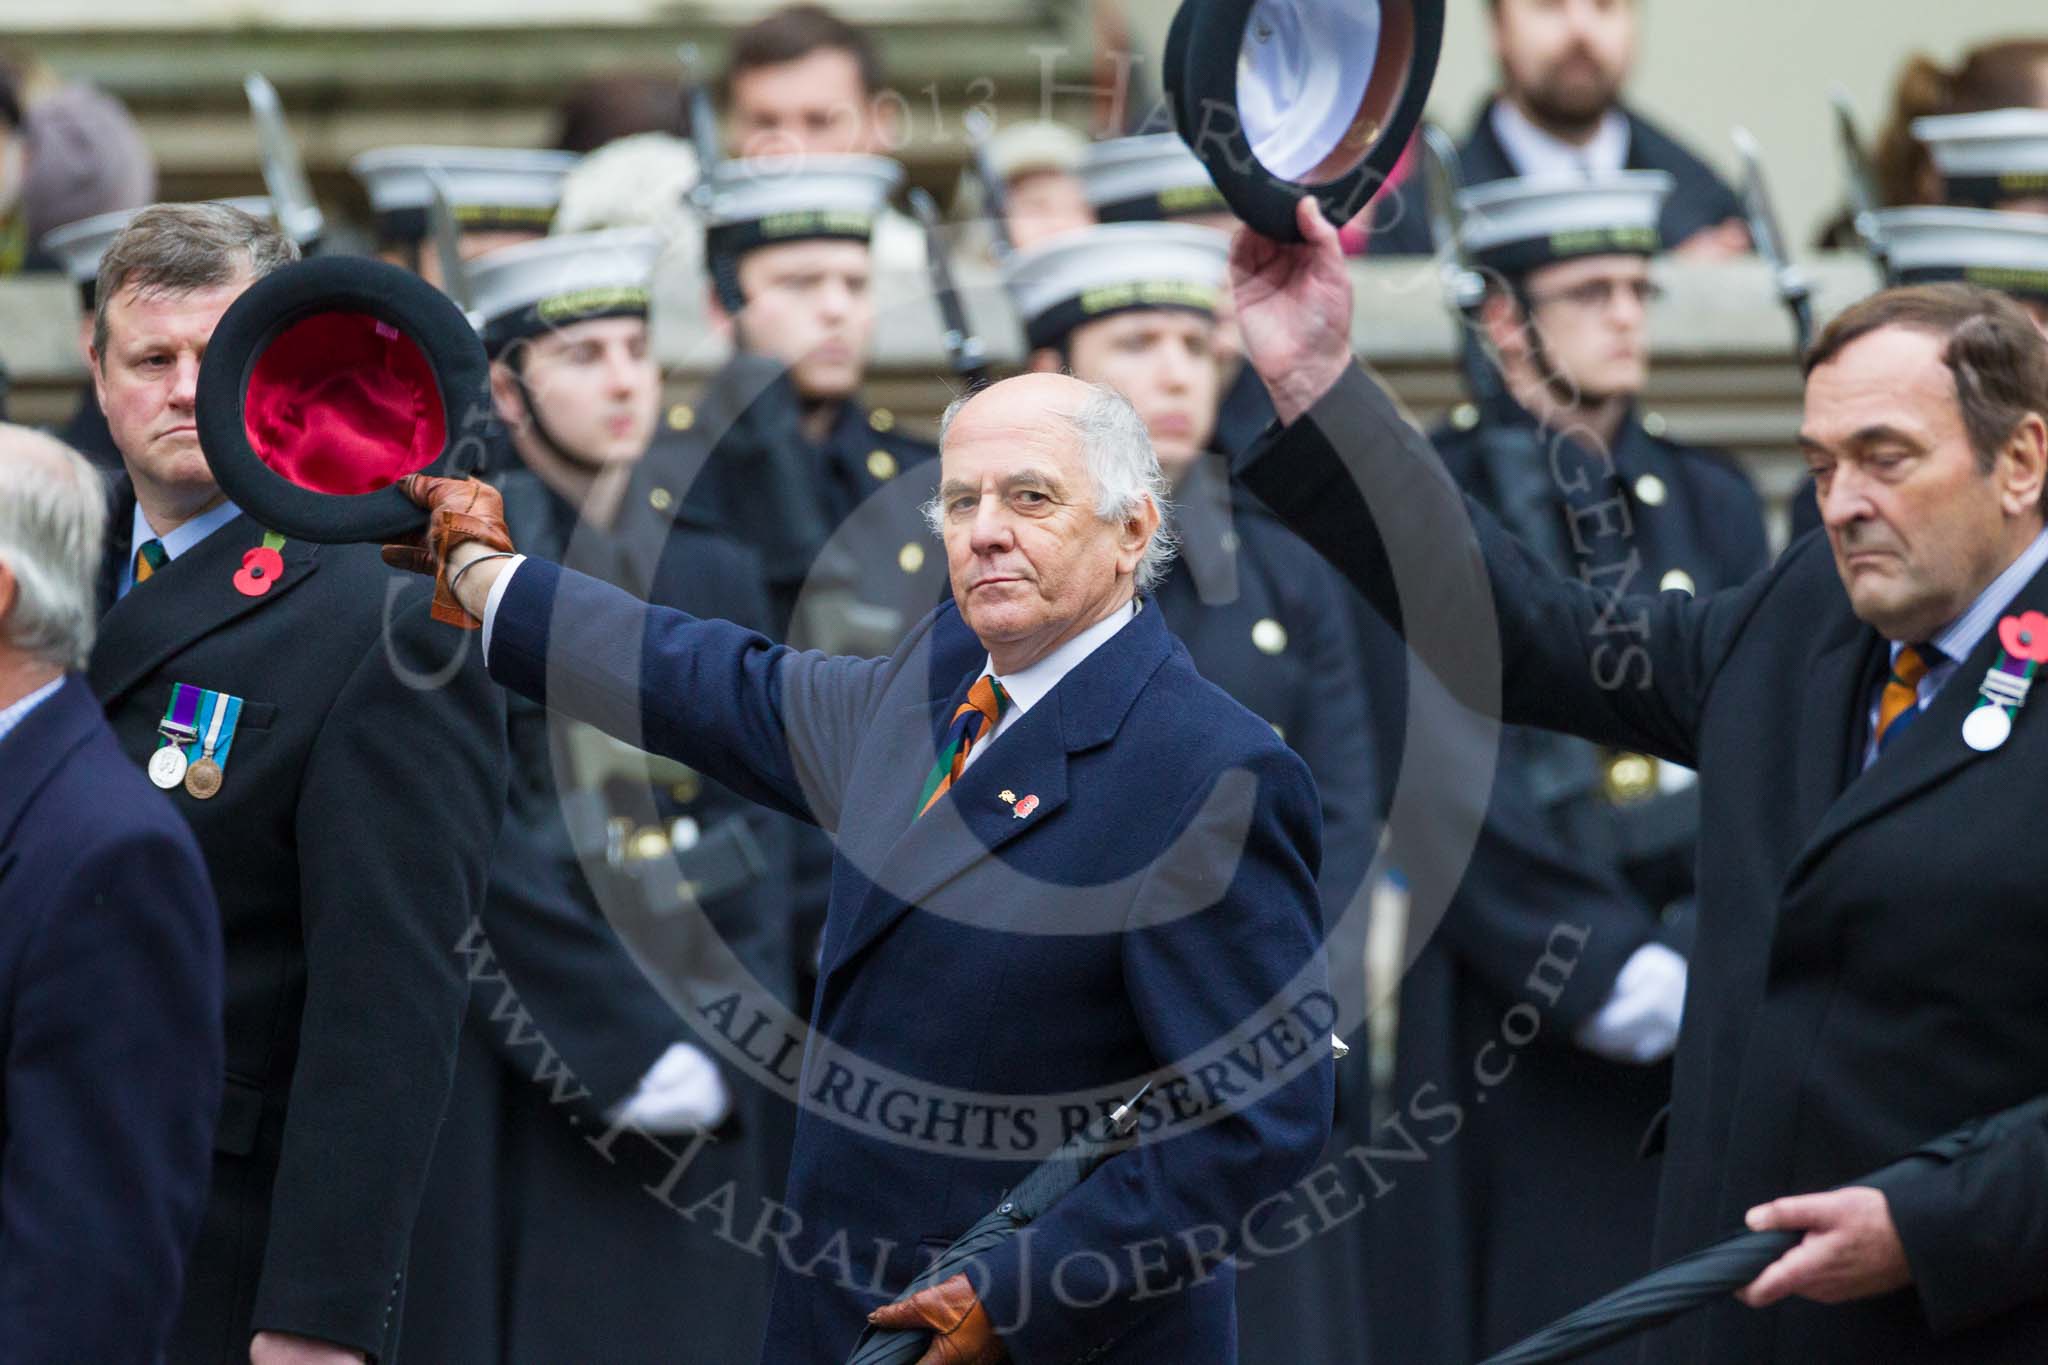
(1927, 753)
(190, 597)
(972, 822)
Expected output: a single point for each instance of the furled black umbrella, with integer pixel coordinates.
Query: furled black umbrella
(1045, 1186)
(1707, 1275)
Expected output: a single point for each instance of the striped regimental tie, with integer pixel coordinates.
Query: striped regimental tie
(977, 716)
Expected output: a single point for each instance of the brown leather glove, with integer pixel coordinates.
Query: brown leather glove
(457, 510)
(952, 1311)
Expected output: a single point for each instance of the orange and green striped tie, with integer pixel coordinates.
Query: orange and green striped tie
(148, 559)
(1899, 703)
(977, 716)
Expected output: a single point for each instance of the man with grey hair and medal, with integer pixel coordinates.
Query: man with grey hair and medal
(1065, 864)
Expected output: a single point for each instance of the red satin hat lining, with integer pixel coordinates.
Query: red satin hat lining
(344, 403)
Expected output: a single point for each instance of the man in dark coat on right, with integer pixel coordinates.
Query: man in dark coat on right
(1870, 958)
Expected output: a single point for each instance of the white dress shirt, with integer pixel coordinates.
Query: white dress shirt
(1028, 686)
(1535, 152)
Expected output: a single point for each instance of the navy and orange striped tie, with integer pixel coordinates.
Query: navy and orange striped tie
(1899, 704)
(977, 716)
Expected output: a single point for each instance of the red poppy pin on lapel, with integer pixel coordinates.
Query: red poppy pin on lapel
(261, 566)
(2023, 648)
(1025, 805)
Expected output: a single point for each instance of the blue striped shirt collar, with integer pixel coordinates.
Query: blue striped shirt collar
(1962, 635)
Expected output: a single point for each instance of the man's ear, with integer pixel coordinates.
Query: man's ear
(1504, 323)
(1045, 360)
(715, 314)
(1138, 530)
(505, 396)
(99, 377)
(2023, 466)
(9, 591)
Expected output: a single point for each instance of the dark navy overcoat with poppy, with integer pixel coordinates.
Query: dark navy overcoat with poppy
(1155, 901)
(1872, 952)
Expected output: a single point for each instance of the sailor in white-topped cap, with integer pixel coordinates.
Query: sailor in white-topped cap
(578, 394)
(787, 247)
(1560, 451)
(1997, 159)
(1151, 177)
(500, 196)
(1038, 162)
(2003, 251)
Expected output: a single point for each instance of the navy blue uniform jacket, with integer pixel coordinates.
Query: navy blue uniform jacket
(111, 1024)
(1870, 961)
(1159, 898)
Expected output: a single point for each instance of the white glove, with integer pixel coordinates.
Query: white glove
(1639, 1022)
(681, 1093)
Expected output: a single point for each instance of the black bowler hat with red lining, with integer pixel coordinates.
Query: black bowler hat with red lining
(330, 380)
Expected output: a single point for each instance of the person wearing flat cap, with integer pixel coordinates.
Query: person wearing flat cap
(1063, 862)
(577, 1261)
(285, 695)
(500, 196)
(1586, 849)
(1868, 959)
(825, 488)
(1132, 305)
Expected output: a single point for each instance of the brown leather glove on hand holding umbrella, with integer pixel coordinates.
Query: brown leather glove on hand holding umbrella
(457, 510)
(951, 1311)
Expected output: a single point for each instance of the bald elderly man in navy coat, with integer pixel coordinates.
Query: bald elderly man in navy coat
(110, 1011)
(1065, 865)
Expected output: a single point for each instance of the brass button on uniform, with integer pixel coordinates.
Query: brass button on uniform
(685, 790)
(648, 844)
(1630, 778)
(881, 419)
(661, 500)
(1269, 636)
(882, 465)
(1650, 491)
(1464, 417)
(1654, 423)
(1678, 580)
(910, 558)
(681, 417)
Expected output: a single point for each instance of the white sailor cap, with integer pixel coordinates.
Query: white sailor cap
(767, 200)
(1148, 178)
(1990, 158)
(80, 246)
(1036, 145)
(1090, 273)
(490, 189)
(1515, 226)
(534, 287)
(2003, 251)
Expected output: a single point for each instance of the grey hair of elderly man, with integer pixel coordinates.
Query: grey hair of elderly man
(1118, 451)
(1052, 508)
(53, 510)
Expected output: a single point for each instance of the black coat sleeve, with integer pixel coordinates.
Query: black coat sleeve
(1971, 1210)
(1504, 632)
(114, 1068)
(401, 801)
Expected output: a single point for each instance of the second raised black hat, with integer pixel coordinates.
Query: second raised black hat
(1283, 98)
(330, 380)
